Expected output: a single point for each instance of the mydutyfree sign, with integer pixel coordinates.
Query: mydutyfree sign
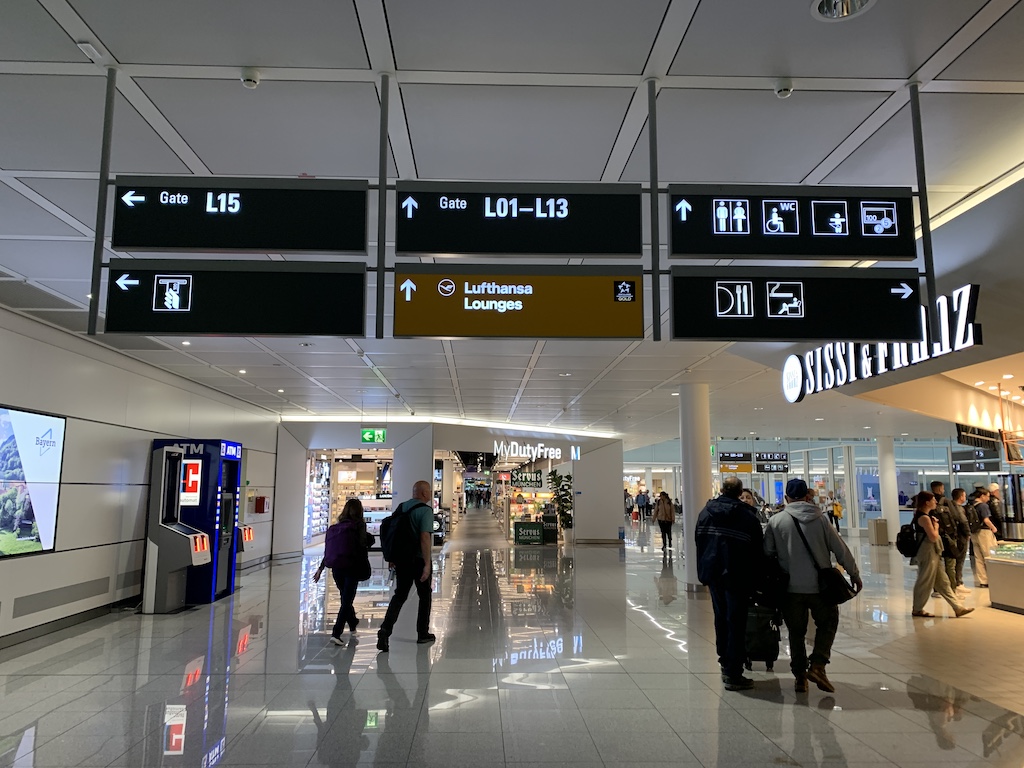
(843, 362)
(512, 449)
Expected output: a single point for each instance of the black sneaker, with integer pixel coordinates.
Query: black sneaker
(382, 643)
(740, 683)
(427, 638)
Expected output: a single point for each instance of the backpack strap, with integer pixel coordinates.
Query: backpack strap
(800, 530)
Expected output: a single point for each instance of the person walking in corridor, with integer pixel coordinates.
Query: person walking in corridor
(931, 574)
(665, 514)
(408, 539)
(728, 558)
(346, 554)
(782, 540)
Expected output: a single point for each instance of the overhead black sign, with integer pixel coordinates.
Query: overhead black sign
(792, 222)
(546, 219)
(772, 456)
(768, 304)
(223, 214)
(734, 456)
(772, 466)
(235, 298)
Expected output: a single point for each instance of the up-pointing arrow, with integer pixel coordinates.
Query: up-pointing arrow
(408, 286)
(129, 198)
(410, 205)
(683, 207)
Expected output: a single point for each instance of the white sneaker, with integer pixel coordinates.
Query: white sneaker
(964, 589)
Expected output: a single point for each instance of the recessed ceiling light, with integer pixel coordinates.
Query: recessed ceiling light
(88, 296)
(978, 383)
(305, 344)
(241, 370)
(867, 427)
(565, 374)
(753, 433)
(904, 434)
(839, 10)
(280, 391)
(675, 394)
(993, 387)
(820, 418)
(1007, 375)
(759, 409)
(186, 343)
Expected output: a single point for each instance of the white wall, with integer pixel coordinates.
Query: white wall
(258, 471)
(115, 406)
(597, 489)
(289, 513)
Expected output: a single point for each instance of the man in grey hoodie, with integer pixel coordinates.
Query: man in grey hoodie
(782, 540)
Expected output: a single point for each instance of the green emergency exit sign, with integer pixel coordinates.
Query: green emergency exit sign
(373, 435)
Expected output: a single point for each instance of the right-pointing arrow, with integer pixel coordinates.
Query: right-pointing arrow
(903, 289)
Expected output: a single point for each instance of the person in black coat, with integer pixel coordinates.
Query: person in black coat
(346, 553)
(729, 556)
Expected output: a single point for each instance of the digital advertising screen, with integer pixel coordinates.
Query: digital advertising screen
(31, 451)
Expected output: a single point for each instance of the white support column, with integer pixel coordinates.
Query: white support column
(597, 495)
(649, 481)
(695, 474)
(888, 490)
(448, 485)
(414, 460)
(289, 496)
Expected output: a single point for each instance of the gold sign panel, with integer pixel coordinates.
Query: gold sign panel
(538, 304)
(730, 468)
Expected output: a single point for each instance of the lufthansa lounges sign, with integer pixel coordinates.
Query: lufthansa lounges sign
(839, 363)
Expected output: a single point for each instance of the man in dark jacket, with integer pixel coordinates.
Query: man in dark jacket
(729, 553)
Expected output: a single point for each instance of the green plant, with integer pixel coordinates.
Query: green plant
(561, 488)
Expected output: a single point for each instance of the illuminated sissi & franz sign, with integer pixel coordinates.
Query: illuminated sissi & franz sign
(838, 363)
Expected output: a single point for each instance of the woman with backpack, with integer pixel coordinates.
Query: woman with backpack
(931, 575)
(346, 553)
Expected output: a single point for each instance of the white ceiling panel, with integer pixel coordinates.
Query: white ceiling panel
(469, 348)
(600, 36)
(987, 59)
(29, 33)
(56, 123)
(712, 141)
(891, 40)
(19, 216)
(299, 33)
(76, 197)
(513, 132)
(47, 259)
(969, 139)
(76, 291)
(279, 129)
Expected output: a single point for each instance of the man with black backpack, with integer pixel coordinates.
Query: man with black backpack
(405, 538)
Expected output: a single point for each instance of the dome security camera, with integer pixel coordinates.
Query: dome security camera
(783, 88)
(250, 78)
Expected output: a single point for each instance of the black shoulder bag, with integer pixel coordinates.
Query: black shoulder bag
(832, 585)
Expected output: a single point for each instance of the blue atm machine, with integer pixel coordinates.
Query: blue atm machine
(210, 490)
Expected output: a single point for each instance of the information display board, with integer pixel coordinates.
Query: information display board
(236, 298)
(544, 219)
(227, 214)
(792, 304)
(792, 222)
(518, 302)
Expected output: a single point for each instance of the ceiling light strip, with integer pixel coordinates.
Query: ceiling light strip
(499, 425)
(538, 348)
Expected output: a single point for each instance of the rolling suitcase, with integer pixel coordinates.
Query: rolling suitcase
(763, 635)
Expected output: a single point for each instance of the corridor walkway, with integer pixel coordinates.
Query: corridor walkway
(589, 657)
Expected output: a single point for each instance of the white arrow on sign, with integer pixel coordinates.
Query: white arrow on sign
(410, 205)
(124, 281)
(129, 198)
(903, 288)
(683, 207)
(408, 286)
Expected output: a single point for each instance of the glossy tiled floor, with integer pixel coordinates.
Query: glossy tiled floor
(596, 658)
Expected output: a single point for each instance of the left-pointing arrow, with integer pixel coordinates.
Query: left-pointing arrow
(129, 198)
(125, 281)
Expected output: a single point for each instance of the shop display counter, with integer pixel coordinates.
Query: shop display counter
(1006, 577)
